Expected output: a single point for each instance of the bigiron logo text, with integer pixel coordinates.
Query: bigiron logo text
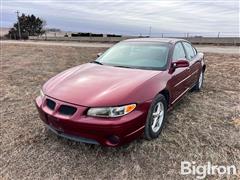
(201, 171)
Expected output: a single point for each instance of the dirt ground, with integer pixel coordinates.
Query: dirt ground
(204, 126)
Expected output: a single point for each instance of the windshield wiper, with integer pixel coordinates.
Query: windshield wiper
(125, 67)
(97, 62)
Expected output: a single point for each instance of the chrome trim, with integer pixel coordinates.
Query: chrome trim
(136, 131)
(180, 95)
(186, 78)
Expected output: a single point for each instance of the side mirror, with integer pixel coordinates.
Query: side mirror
(99, 54)
(180, 63)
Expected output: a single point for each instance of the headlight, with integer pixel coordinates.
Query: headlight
(111, 111)
(41, 94)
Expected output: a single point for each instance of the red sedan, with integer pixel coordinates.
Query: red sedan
(124, 93)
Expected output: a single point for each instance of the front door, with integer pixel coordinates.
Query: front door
(179, 80)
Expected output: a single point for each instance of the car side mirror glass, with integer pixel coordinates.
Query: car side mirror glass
(180, 63)
(99, 54)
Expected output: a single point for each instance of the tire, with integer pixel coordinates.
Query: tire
(151, 131)
(199, 83)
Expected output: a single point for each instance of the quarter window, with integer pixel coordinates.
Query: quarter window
(189, 50)
(178, 52)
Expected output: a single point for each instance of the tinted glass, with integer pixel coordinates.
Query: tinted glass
(178, 52)
(189, 49)
(195, 51)
(136, 55)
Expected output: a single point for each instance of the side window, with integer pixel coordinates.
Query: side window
(178, 52)
(189, 49)
(194, 50)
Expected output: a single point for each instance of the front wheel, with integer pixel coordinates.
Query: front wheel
(156, 117)
(199, 84)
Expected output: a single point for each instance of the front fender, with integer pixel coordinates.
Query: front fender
(150, 88)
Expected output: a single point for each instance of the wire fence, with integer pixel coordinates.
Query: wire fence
(219, 38)
(158, 34)
(194, 40)
(196, 34)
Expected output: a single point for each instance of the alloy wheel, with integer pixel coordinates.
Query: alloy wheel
(200, 80)
(157, 116)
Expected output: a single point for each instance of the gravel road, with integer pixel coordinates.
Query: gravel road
(203, 48)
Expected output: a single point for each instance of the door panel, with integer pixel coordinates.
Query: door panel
(195, 67)
(194, 64)
(179, 82)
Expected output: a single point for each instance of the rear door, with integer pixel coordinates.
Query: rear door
(195, 64)
(179, 79)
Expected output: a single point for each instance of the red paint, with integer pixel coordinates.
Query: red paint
(93, 85)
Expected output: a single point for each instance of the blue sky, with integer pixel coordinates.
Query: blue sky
(130, 17)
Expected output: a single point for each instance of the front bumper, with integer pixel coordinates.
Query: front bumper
(94, 130)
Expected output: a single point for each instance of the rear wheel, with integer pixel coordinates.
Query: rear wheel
(199, 84)
(156, 117)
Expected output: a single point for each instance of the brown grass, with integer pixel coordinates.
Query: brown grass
(203, 127)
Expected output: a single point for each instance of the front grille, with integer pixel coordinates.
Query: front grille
(67, 110)
(50, 104)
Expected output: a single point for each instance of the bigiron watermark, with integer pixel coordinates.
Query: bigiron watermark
(201, 171)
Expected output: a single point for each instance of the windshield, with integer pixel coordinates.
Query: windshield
(143, 55)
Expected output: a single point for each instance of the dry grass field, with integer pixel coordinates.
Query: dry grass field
(203, 127)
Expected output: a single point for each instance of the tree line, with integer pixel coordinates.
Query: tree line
(27, 25)
(30, 25)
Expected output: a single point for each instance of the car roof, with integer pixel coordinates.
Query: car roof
(160, 40)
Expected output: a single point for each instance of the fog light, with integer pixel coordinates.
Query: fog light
(113, 139)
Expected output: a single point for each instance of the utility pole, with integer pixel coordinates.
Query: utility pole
(19, 31)
(150, 31)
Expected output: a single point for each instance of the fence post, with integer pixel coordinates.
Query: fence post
(218, 38)
(234, 42)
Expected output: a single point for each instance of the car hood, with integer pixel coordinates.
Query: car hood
(97, 85)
